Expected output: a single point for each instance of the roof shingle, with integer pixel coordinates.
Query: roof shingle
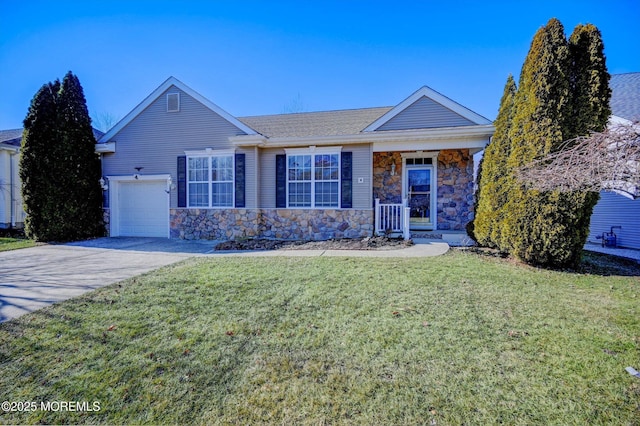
(11, 137)
(625, 95)
(324, 123)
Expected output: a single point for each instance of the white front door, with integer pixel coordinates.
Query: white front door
(419, 194)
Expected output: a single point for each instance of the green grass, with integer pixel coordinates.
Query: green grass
(459, 338)
(7, 243)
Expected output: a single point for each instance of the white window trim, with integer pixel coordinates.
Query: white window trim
(210, 153)
(313, 151)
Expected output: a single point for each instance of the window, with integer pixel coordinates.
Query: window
(313, 180)
(173, 102)
(210, 181)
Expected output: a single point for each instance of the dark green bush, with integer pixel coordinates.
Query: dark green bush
(59, 168)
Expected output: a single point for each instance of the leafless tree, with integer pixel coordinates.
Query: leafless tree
(295, 105)
(608, 160)
(104, 121)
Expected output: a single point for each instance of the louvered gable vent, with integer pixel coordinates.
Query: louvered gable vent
(173, 102)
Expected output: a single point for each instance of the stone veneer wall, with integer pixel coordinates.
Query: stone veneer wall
(386, 187)
(455, 189)
(293, 224)
(455, 185)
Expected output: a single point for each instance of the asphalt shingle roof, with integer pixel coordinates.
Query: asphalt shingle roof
(14, 136)
(324, 123)
(625, 95)
(11, 137)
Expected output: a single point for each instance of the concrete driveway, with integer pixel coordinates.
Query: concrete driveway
(36, 277)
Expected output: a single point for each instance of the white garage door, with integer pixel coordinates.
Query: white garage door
(143, 209)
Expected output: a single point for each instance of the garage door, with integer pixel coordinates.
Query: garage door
(143, 209)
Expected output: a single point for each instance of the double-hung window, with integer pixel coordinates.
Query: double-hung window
(313, 179)
(210, 180)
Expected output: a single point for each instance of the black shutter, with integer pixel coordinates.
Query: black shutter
(346, 179)
(239, 180)
(182, 181)
(281, 181)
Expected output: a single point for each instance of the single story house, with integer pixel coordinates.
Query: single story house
(11, 211)
(180, 166)
(620, 208)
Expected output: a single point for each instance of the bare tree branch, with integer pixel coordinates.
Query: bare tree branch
(608, 160)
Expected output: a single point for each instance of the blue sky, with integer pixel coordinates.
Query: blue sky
(269, 57)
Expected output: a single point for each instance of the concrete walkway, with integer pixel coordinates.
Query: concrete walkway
(36, 277)
(617, 251)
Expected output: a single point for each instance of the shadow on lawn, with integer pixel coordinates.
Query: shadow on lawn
(592, 263)
(608, 265)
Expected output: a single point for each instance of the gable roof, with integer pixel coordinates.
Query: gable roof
(172, 81)
(435, 97)
(323, 123)
(625, 95)
(13, 137)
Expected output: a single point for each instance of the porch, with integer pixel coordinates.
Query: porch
(395, 220)
(436, 187)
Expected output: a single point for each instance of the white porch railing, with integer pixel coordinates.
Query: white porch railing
(392, 218)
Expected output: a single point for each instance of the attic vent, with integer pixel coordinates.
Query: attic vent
(173, 102)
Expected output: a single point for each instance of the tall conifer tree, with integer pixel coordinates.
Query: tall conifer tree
(563, 90)
(59, 169)
(533, 230)
(82, 165)
(491, 194)
(590, 82)
(36, 162)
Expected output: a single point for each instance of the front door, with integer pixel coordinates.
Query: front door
(418, 191)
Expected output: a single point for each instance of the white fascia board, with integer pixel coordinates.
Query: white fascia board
(434, 96)
(433, 145)
(10, 148)
(248, 140)
(105, 148)
(209, 152)
(313, 149)
(615, 120)
(172, 81)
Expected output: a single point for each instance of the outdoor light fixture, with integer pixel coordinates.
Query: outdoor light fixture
(103, 184)
(393, 169)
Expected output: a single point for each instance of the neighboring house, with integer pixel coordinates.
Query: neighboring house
(620, 209)
(179, 166)
(11, 211)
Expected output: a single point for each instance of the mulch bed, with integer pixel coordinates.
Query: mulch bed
(368, 243)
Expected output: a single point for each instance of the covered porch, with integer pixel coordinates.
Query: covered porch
(423, 192)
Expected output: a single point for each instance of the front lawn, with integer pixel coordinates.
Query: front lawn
(459, 338)
(7, 243)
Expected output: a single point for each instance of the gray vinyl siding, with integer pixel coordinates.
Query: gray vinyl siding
(362, 168)
(424, 114)
(268, 177)
(615, 210)
(5, 189)
(155, 138)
